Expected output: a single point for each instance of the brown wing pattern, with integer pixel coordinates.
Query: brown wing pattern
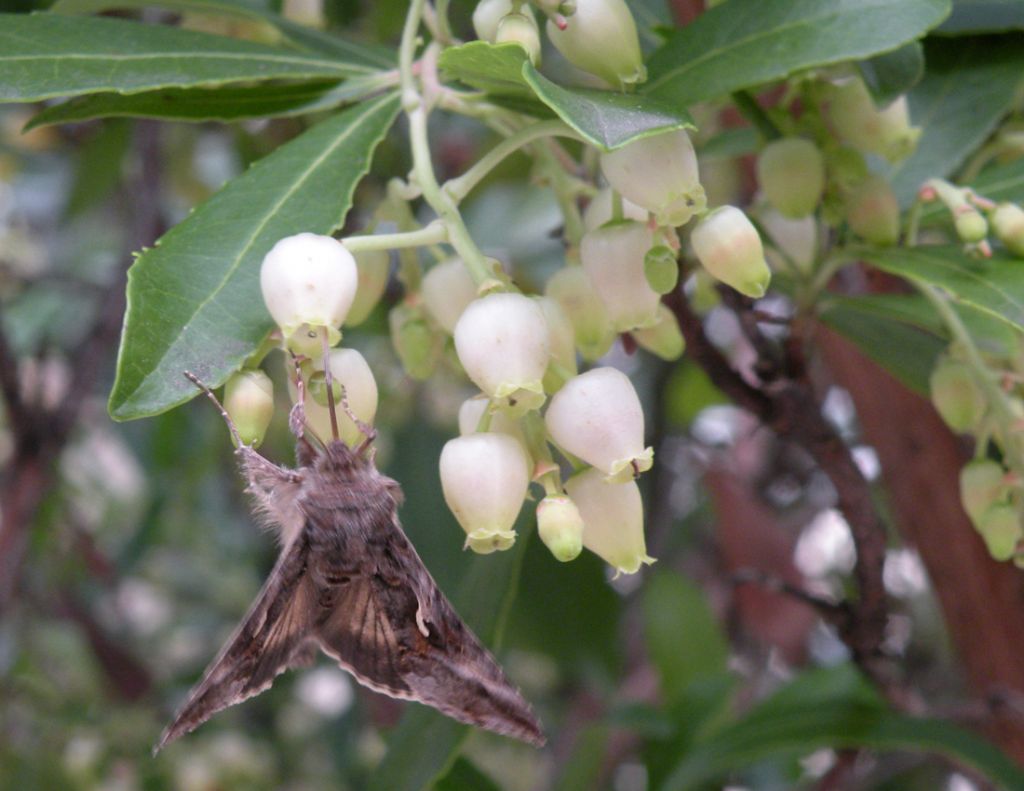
(269, 640)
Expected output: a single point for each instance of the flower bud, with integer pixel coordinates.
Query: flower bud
(372, 268)
(613, 520)
(416, 344)
(970, 225)
(503, 344)
(982, 484)
(484, 478)
(613, 258)
(308, 283)
(599, 210)
(601, 38)
(1000, 527)
(573, 290)
(858, 122)
(1008, 224)
(562, 340)
(520, 29)
(597, 417)
(661, 269)
(349, 370)
(660, 174)
(249, 401)
(728, 247)
(560, 527)
(797, 239)
(873, 212)
(487, 15)
(791, 172)
(447, 289)
(956, 394)
(663, 339)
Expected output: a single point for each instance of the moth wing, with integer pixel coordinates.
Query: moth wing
(271, 638)
(395, 631)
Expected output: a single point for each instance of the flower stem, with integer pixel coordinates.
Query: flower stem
(430, 234)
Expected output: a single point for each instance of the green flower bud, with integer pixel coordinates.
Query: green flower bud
(1008, 224)
(600, 37)
(873, 212)
(520, 29)
(573, 290)
(661, 269)
(416, 344)
(791, 172)
(249, 400)
(1000, 527)
(728, 247)
(560, 527)
(857, 121)
(970, 225)
(664, 339)
(983, 483)
(956, 394)
(372, 268)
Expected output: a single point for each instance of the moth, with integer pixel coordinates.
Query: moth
(349, 583)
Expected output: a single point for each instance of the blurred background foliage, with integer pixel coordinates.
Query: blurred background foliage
(143, 553)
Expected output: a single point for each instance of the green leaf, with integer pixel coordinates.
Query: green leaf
(607, 119)
(904, 350)
(465, 776)
(424, 746)
(892, 74)
(684, 639)
(994, 286)
(229, 103)
(836, 708)
(969, 85)
(983, 16)
(98, 169)
(745, 43)
(370, 57)
(48, 55)
(496, 69)
(194, 301)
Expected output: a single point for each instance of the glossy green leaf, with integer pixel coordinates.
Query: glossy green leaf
(745, 43)
(906, 351)
(496, 69)
(48, 55)
(983, 16)
(969, 85)
(835, 708)
(229, 103)
(607, 119)
(683, 637)
(271, 25)
(892, 74)
(194, 300)
(424, 747)
(994, 286)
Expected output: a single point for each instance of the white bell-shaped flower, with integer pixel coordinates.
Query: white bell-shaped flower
(503, 344)
(797, 239)
(447, 289)
(560, 526)
(660, 174)
(791, 172)
(613, 258)
(249, 400)
(600, 37)
(350, 370)
(308, 283)
(730, 250)
(572, 288)
(487, 15)
(599, 210)
(562, 343)
(886, 132)
(613, 520)
(597, 417)
(471, 415)
(372, 267)
(484, 478)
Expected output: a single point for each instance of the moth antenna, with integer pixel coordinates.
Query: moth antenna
(329, 384)
(297, 424)
(220, 408)
(367, 430)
